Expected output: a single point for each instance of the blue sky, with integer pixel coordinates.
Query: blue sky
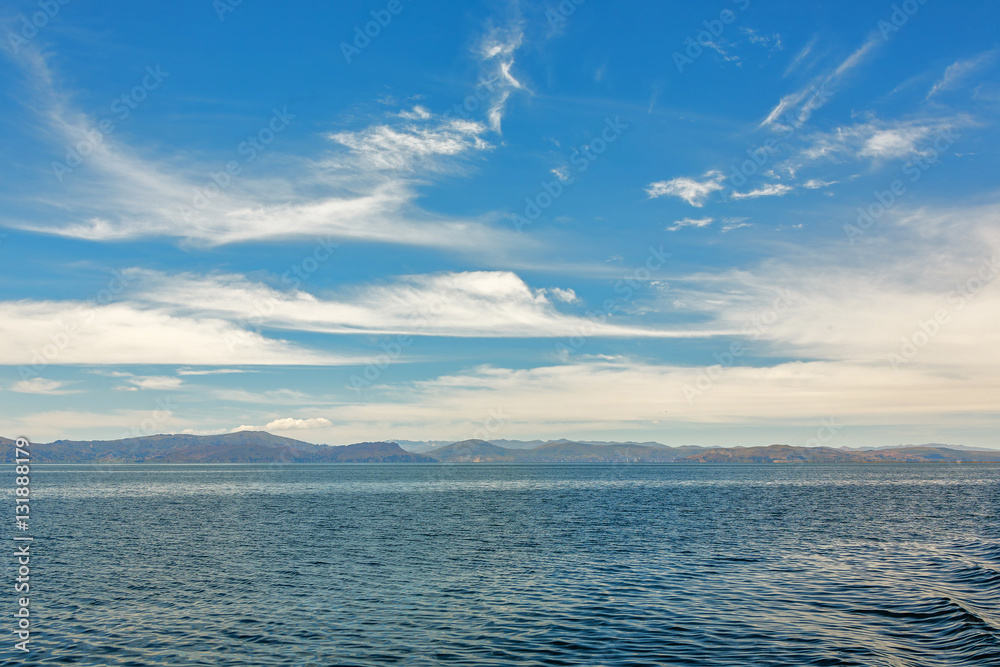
(697, 223)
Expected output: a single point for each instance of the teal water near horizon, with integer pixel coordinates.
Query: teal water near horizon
(480, 564)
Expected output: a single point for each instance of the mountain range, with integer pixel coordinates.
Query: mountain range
(240, 447)
(480, 451)
(263, 447)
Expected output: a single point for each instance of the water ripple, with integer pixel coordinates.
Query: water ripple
(539, 565)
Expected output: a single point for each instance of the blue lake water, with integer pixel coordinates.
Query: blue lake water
(479, 564)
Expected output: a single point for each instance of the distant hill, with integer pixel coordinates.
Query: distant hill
(567, 451)
(423, 446)
(262, 447)
(474, 451)
(558, 451)
(579, 451)
(788, 454)
(240, 447)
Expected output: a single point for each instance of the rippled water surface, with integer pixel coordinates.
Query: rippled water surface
(491, 565)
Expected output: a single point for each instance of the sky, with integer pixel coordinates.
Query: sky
(717, 223)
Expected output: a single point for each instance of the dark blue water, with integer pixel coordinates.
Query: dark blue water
(493, 565)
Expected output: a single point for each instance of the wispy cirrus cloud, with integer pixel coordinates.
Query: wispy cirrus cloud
(694, 192)
(801, 56)
(366, 191)
(796, 106)
(418, 142)
(689, 222)
(42, 386)
(769, 190)
(772, 41)
(496, 304)
(960, 70)
(496, 54)
(220, 319)
(729, 224)
(130, 333)
(871, 142)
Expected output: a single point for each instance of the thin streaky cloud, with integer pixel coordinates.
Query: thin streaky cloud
(770, 190)
(823, 85)
(958, 71)
(801, 56)
(494, 304)
(119, 195)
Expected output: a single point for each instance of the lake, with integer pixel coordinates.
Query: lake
(548, 564)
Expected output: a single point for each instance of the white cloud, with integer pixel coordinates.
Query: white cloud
(816, 184)
(769, 190)
(690, 222)
(729, 224)
(721, 50)
(156, 382)
(843, 310)
(212, 320)
(42, 386)
(690, 190)
(772, 41)
(564, 295)
(212, 371)
(496, 54)
(855, 303)
(468, 304)
(288, 424)
(898, 142)
(795, 108)
(383, 147)
(52, 424)
(210, 431)
(365, 191)
(875, 140)
(67, 332)
(960, 70)
(575, 398)
(801, 56)
(271, 397)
